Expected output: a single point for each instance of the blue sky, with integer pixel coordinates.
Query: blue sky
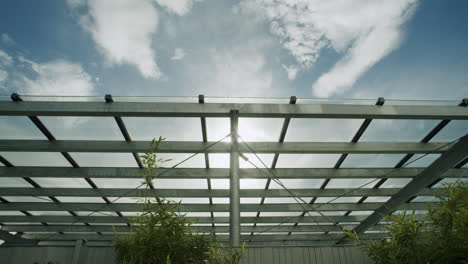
(406, 49)
(396, 49)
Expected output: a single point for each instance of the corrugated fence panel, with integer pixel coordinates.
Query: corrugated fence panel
(253, 255)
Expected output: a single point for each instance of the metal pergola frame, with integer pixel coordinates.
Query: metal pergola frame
(322, 229)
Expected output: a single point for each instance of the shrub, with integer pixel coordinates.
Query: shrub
(440, 238)
(162, 235)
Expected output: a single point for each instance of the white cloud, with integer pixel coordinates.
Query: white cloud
(6, 39)
(3, 76)
(58, 77)
(366, 31)
(179, 7)
(178, 54)
(5, 59)
(232, 73)
(291, 70)
(123, 31)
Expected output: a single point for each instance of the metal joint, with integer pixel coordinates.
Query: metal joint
(108, 98)
(16, 97)
(380, 101)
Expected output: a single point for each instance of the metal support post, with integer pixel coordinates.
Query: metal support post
(234, 199)
(77, 251)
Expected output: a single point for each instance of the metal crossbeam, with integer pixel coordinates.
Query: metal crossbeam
(111, 146)
(222, 238)
(199, 229)
(150, 109)
(138, 207)
(221, 173)
(84, 192)
(104, 219)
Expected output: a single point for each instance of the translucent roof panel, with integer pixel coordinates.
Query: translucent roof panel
(396, 183)
(280, 214)
(423, 199)
(307, 160)
(421, 160)
(180, 183)
(189, 200)
(278, 200)
(218, 128)
(252, 183)
(377, 199)
(244, 200)
(263, 159)
(82, 128)
(219, 184)
(66, 199)
(318, 130)
(186, 160)
(446, 181)
(259, 129)
(61, 182)
(18, 127)
(104, 159)
(14, 182)
(173, 129)
(350, 183)
(58, 213)
(44, 159)
(117, 183)
(32, 199)
(298, 184)
(453, 130)
(11, 213)
(390, 130)
(353, 199)
(371, 160)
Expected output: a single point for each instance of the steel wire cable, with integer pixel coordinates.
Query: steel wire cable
(138, 187)
(314, 208)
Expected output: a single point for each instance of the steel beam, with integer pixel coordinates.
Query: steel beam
(100, 219)
(85, 192)
(152, 109)
(234, 184)
(220, 173)
(447, 160)
(112, 146)
(138, 207)
(254, 238)
(197, 229)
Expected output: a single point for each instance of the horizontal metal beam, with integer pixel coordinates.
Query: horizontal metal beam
(133, 207)
(202, 173)
(12, 239)
(152, 109)
(221, 147)
(294, 237)
(137, 193)
(198, 229)
(100, 219)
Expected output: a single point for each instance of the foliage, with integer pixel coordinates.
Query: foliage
(221, 255)
(161, 235)
(441, 238)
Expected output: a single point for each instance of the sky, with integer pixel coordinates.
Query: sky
(364, 49)
(405, 49)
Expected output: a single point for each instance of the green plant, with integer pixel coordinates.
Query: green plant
(160, 234)
(441, 238)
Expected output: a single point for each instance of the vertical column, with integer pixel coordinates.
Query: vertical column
(77, 252)
(234, 184)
